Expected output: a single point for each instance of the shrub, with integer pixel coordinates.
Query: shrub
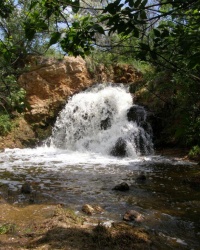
(195, 152)
(5, 124)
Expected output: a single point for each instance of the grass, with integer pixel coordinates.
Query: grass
(7, 228)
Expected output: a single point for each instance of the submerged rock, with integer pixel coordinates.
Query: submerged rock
(133, 215)
(122, 187)
(26, 188)
(141, 178)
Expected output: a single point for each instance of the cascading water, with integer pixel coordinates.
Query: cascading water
(103, 120)
(77, 169)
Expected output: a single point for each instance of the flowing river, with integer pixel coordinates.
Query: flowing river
(101, 139)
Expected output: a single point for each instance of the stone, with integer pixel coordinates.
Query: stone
(122, 187)
(88, 209)
(49, 83)
(141, 178)
(133, 215)
(105, 124)
(26, 188)
(91, 209)
(119, 149)
(136, 114)
(98, 209)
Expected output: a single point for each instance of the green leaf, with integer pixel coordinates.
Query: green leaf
(144, 46)
(143, 14)
(194, 61)
(153, 54)
(137, 3)
(41, 25)
(104, 18)
(76, 6)
(136, 32)
(156, 32)
(98, 28)
(29, 32)
(131, 3)
(7, 55)
(143, 4)
(33, 4)
(54, 38)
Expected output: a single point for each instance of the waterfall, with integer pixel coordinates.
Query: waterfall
(103, 119)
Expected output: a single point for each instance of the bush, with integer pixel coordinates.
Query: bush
(195, 153)
(5, 124)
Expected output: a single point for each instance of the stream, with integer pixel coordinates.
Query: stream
(82, 162)
(171, 207)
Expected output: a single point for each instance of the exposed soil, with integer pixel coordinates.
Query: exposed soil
(20, 136)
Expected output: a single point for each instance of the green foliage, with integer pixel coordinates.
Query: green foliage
(164, 33)
(5, 126)
(7, 228)
(16, 100)
(194, 152)
(5, 9)
(174, 100)
(12, 97)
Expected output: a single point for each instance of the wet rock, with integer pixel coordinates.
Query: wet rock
(119, 148)
(98, 209)
(136, 114)
(141, 178)
(88, 209)
(32, 198)
(133, 215)
(26, 188)
(105, 124)
(122, 187)
(91, 209)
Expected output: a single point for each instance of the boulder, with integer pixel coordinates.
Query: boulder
(49, 83)
(119, 149)
(136, 114)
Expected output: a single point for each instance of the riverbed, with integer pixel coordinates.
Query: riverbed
(169, 204)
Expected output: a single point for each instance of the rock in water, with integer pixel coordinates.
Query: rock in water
(91, 209)
(122, 187)
(141, 178)
(136, 114)
(133, 215)
(88, 209)
(26, 188)
(119, 148)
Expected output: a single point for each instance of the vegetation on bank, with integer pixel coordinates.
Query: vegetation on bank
(160, 38)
